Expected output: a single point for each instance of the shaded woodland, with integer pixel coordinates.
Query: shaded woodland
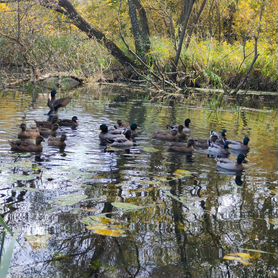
(164, 45)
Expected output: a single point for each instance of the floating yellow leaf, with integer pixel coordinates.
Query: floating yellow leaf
(114, 233)
(243, 258)
(182, 173)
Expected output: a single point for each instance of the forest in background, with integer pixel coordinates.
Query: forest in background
(227, 44)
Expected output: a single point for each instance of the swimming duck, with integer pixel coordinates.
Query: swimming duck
(25, 133)
(67, 122)
(47, 124)
(49, 131)
(186, 128)
(123, 141)
(239, 146)
(217, 150)
(24, 146)
(168, 136)
(231, 165)
(183, 148)
(205, 143)
(221, 137)
(54, 104)
(106, 137)
(57, 142)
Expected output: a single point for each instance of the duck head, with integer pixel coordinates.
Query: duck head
(133, 126)
(187, 122)
(103, 128)
(23, 126)
(63, 138)
(74, 119)
(53, 93)
(55, 127)
(190, 143)
(246, 140)
(240, 158)
(224, 133)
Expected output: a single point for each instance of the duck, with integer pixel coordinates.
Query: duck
(57, 142)
(49, 131)
(25, 133)
(24, 146)
(221, 136)
(186, 128)
(205, 143)
(167, 136)
(47, 124)
(183, 148)
(239, 146)
(54, 104)
(70, 123)
(123, 141)
(231, 165)
(217, 150)
(106, 137)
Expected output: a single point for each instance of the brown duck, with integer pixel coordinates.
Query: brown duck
(25, 133)
(54, 104)
(47, 124)
(67, 122)
(25, 146)
(49, 131)
(57, 142)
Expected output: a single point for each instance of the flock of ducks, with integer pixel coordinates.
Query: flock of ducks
(30, 139)
(122, 135)
(217, 145)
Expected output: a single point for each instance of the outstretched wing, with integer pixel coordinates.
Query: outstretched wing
(61, 102)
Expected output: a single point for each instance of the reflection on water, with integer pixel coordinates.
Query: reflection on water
(186, 225)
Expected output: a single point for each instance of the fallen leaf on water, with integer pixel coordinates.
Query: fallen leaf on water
(126, 206)
(70, 200)
(150, 150)
(38, 241)
(243, 258)
(107, 232)
(182, 173)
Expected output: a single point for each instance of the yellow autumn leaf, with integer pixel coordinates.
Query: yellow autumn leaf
(182, 173)
(107, 232)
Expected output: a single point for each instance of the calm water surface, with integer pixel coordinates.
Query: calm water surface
(185, 225)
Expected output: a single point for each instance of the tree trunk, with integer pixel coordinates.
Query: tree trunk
(140, 28)
(188, 5)
(66, 8)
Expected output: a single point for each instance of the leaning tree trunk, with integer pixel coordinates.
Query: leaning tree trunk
(140, 28)
(188, 5)
(66, 8)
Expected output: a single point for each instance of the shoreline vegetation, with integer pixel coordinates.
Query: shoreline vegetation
(225, 46)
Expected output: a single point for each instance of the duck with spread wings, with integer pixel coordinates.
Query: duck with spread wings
(54, 104)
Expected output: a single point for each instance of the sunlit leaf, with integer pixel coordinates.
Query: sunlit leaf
(182, 173)
(108, 232)
(150, 150)
(243, 258)
(126, 206)
(70, 200)
(38, 241)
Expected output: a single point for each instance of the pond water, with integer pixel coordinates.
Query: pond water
(66, 208)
